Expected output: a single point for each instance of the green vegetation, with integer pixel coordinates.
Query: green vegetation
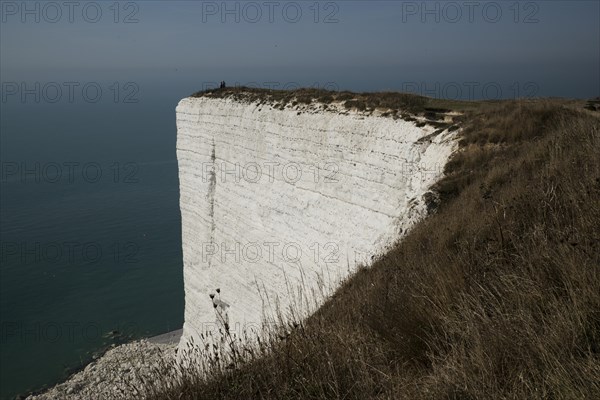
(494, 296)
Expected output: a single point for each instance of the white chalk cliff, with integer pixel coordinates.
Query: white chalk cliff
(279, 204)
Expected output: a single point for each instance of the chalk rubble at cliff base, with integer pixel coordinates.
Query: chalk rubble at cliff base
(119, 372)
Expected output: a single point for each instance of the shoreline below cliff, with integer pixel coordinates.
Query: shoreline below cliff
(119, 370)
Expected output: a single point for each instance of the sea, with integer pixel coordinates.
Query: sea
(90, 237)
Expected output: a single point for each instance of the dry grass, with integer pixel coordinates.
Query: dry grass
(496, 295)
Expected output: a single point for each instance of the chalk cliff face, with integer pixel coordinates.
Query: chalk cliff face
(278, 205)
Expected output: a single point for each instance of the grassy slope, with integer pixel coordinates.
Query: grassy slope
(497, 295)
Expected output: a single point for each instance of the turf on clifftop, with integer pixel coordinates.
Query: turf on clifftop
(395, 102)
(496, 295)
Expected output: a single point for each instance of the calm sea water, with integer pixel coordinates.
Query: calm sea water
(90, 232)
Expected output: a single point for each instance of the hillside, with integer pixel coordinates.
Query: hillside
(494, 295)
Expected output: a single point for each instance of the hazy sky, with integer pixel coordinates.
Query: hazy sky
(528, 47)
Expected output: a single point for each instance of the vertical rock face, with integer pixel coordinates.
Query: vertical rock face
(278, 205)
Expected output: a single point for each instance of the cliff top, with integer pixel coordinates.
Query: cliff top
(406, 106)
(439, 113)
(361, 101)
(365, 101)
